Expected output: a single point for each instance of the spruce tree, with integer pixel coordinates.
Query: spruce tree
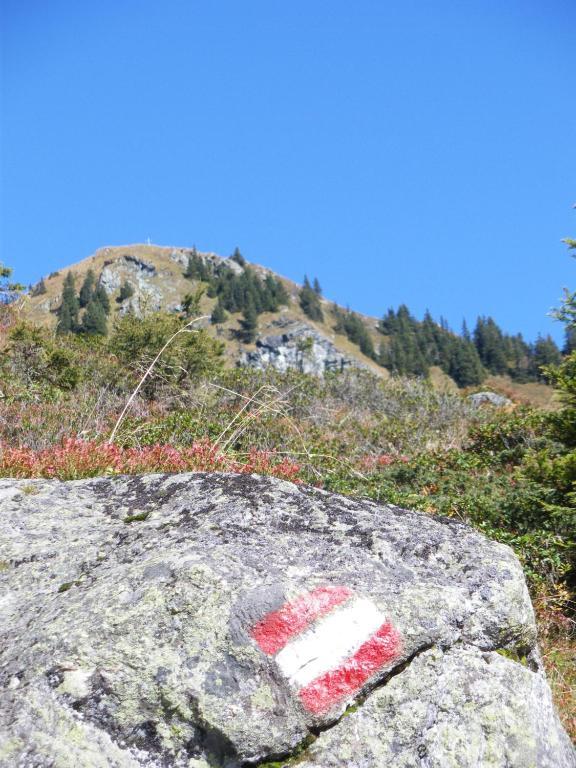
(101, 297)
(490, 345)
(238, 258)
(39, 289)
(544, 353)
(126, 291)
(218, 314)
(197, 269)
(68, 311)
(465, 366)
(94, 320)
(310, 301)
(569, 341)
(316, 287)
(248, 325)
(87, 289)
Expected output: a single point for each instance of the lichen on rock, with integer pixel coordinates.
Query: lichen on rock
(150, 656)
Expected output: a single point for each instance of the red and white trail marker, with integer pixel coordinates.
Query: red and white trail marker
(328, 643)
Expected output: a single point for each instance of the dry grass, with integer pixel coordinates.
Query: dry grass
(557, 636)
(531, 393)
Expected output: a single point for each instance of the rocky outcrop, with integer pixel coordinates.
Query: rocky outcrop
(228, 620)
(489, 398)
(139, 273)
(298, 346)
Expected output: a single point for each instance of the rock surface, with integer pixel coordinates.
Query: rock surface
(134, 615)
(298, 346)
(489, 398)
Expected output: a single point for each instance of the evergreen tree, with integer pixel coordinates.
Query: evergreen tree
(94, 320)
(87, 290)
(197, 269)
(353, 327)
(126, 291)
(490, 345)
(316, 288)
(39, 288)
(310, 301)
(69, 306)
(545, 353)
(238, 258)
(249, 324)
(191, 302)
(570, 341)
(101, 297)
(465, 366)
(218, 314)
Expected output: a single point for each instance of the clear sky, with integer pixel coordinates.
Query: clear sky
(402, 151)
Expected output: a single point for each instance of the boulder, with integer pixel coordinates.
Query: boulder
(298, 346)
(231, 620)
(489, 398)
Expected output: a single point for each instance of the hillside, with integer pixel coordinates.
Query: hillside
(284, 336)
(157, 275)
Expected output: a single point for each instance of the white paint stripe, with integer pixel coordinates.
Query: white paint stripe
(326, 644)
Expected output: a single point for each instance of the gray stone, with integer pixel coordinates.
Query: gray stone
(127, 609)
(489, 398)
(299, 346)
(140, 274)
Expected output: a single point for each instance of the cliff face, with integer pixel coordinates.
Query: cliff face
(229, 620)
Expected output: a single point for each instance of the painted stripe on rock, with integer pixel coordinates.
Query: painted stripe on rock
(276, 629)
(330, 688)
(331, 641)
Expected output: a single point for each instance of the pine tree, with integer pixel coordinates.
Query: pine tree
(249, 324)
(39, 288)
(126, 291)
(490, 345)
(69, 306)
(197, 269)
(316, 288)
(87, 290)
(465, 366)
(218, 314)
(544, 353)
(570, 341)
(191, 302)
(310, 301)
(101, 297)
(238, 258)
(94, 320)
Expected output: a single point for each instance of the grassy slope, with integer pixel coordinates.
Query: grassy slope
(173, 285)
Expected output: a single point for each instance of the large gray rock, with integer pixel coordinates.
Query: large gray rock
(131, 631)
(489, 398)
(298, 346)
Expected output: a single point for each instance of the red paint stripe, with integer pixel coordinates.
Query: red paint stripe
(277, 628)
(330, 688)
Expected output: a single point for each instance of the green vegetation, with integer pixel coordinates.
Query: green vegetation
(92, 299)
(69, 307)
(411, 347)
(350, 324)
(309, 298)
(510, 473)
(39, 289)
(87, 290)
(245, 292)
(126, 291)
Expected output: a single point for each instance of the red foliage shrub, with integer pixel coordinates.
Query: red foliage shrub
(74, 458)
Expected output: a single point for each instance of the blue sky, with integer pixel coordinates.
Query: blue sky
(408, 151)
